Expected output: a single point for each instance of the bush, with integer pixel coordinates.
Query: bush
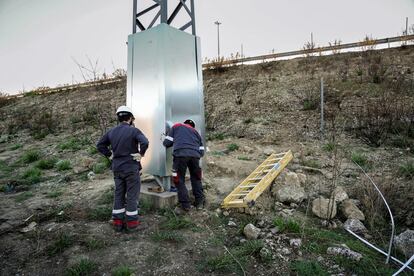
(46, 164)
(32, 175)
(232, 147)
(30, 156)
(63, 165)
(43, 123)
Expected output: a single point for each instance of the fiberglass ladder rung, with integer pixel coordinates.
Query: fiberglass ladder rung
(246, 193)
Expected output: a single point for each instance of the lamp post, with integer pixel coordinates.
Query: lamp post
(218, 39)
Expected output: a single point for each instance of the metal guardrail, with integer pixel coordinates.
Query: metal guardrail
(231, 62)
(68, 87)
(310, 51)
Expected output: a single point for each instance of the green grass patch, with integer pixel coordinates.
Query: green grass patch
(175, 222)
(312, 163)
(244, 158)
(227, 263)
(170, 236)
(23, 196)
(32, 175)
(103, 164)
(54, 194)
(46, 164)
(360, 159)
(372, 263)
(99, 168)
(287, 225)
(217, 153)
(145, 206)
(84, 267)
(310, 104)
(100, 213)
(122, 270)
(232, 147)
(406, 170)
(329, 147)
(216, 136)
(62, 242)
(308, 268)
(5, 169)
(30, 156)
(94, 244)
(107, 197)
(366, 266)
(16, 146)
(63, 165)
(92, 150)
(73, 144)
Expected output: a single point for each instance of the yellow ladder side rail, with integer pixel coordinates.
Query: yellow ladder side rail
(245, 181)
(267, 180)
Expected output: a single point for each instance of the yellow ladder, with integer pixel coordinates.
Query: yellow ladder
(246, 193)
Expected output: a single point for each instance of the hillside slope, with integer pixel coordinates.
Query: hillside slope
(51, 174)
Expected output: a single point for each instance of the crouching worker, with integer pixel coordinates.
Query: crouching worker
(128, 145)
(187, 151)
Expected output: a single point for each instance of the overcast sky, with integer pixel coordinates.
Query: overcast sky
(40, 38)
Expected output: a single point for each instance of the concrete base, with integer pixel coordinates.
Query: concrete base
(159, 200)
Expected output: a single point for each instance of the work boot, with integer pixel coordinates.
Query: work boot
(135, 225)
(181, 211)
(117, 225)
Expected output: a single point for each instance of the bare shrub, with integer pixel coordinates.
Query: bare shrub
(378, 117)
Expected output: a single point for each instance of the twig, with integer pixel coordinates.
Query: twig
(237, 261)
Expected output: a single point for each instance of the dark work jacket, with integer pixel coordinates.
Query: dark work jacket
(124, 140)
(186, 140)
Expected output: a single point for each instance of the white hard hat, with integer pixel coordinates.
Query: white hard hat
(123, 109)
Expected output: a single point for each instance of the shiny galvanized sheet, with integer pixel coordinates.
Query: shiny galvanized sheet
(164, 86)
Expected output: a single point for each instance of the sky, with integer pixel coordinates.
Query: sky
(41, 40)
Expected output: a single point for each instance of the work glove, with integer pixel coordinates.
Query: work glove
(136, 156)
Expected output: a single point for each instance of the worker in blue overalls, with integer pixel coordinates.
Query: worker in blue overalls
(128, 145)
(187, 150)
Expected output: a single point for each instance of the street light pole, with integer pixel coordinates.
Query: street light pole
(218, 39)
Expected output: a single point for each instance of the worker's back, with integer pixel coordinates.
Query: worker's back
(186, 141)
(124, 141)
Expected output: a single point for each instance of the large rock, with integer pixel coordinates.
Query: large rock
(351, 211)
(355, 226)
(324, 208)
(292, 179)
(339, 194)
(405, 242)
(344, 252)
(291, 191)
(251, 232)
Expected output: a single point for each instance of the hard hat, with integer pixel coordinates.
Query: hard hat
(189, 122)
(123, 110)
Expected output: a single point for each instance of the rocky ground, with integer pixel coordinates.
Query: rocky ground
(56, 191)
